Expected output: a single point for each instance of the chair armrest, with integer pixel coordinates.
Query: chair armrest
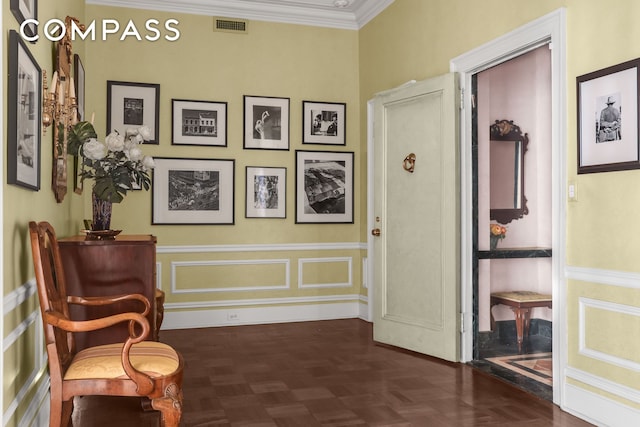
(144, 384)
(59, 320)
(93, 301)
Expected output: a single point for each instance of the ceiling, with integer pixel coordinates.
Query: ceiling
(344, 14)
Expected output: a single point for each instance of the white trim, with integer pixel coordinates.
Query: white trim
(604, 277)
(37, 413)
(191, 249)
(583, 304)
(292, 13)
(549, 28)
(17, 332)
(303, 261)
(18, 296)
(598, 409)
(370, 207)
(35, 376)
(296, 310)
(176, 264)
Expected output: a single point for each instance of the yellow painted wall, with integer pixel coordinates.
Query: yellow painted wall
(20, 368)
(411, 39)
(414, 39)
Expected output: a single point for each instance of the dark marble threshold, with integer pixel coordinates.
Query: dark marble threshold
(502, 342)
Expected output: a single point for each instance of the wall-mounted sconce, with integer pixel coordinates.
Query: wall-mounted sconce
(60, 108)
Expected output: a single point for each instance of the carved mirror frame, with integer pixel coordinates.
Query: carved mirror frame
(506, 130)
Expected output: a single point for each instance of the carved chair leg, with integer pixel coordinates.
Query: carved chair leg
(170, 406)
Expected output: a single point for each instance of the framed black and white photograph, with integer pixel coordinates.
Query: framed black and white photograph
(131, 105)
(23, 10)
(324, 187)
(24, 116)
(324, 123)
(199, 123)
(266, 192)
(266, 122)
(193, 191)
(608, 117)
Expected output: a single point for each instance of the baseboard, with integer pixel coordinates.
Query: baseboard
(227, 316)
(598, 409)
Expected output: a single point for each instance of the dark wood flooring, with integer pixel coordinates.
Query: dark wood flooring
(325, 373)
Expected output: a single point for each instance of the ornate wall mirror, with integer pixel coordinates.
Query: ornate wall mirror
(506, 152)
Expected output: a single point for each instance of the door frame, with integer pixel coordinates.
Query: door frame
(549, 29)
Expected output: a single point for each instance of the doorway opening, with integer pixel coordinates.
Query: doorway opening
(512, 228)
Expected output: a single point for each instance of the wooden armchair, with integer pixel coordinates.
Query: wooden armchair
(147, 369)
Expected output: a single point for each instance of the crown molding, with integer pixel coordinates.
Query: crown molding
(353, 17)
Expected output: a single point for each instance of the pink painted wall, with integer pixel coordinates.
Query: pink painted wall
(518, 90)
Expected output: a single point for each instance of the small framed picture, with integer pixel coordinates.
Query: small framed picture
(199, 123)
(131, 105)
(23, 10)
(324, 187)
(324, 123)
(24, 116)
(266, 123)
(266, 192)
(608, 118)
(193, 191)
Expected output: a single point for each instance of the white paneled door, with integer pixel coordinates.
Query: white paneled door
(416, 226)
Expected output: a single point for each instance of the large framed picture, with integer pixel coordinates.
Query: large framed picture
(131, 105)
(266, 122)
(324, 123)
(608, 118)
(324, 187)
(193, 191)
(266, 192)
(23, 10)
(24, 116)
(199, 123)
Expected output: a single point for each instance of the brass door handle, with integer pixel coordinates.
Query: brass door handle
(375, 232)
(409, 163)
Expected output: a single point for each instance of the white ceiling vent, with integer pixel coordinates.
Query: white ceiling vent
(230, 25)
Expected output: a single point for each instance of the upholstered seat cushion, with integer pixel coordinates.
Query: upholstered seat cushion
(104, 361)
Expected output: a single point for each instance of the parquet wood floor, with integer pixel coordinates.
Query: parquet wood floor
(325, 373)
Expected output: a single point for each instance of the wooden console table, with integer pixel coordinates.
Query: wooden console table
(110, 267)
(521, 302)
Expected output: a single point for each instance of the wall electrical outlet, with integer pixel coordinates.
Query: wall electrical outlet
(573, 192)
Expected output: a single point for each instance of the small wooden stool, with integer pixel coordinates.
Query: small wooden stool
(521, 302)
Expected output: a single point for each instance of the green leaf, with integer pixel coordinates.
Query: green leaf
(79, 133)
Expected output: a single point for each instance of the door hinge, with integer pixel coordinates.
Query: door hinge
(462, 323)
(462, 99)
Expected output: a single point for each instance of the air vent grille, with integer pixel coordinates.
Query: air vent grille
(230, 25)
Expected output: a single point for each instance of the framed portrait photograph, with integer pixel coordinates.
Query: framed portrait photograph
(266, 123)
(324, 187)
(608, 118)
(23, 10)
(324, 123)
(131, 105)
(266, 192)
(193, 191)
(24, 116)
(199, 123)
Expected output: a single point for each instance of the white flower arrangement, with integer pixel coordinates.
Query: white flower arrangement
(117, 164)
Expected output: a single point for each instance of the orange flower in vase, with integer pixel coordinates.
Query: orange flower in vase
(498, 232)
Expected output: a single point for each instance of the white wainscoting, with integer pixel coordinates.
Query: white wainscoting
(210, 313)
(38, 377)
(596, 408)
